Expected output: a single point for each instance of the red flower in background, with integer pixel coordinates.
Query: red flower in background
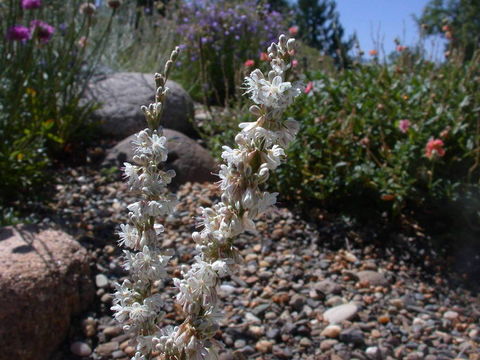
(434, 148)
(309, 87)
(264, 56)
(293, 30)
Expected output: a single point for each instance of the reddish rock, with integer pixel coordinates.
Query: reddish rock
(44, 280)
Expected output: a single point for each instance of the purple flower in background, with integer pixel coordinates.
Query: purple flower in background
(63, 28)
(42, 30)
(31, 4)
(18, 33)
(404, 125)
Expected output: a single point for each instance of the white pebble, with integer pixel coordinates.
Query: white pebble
(80, 349)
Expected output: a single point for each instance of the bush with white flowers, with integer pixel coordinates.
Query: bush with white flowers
(260, 149)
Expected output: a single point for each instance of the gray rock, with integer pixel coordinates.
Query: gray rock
(353, 336)
(252, 318)
(80, 349)
(297, 301)
(340, 313)
(239, 343)
(122, 94)
(372, 277)
(190, 161)
(450, 315)
(106, 349)
(328, 287)
(44, 281)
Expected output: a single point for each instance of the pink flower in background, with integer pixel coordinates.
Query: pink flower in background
(18, 33)
(249, 63)
(294, 63)
(83, 42)
(401, 48)
(264, 56)
(373, 52)
(309, 87)
(293, 30)
(404, 125)
(42, 30)
(31, 4)
(434, 148)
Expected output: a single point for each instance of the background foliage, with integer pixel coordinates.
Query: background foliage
(42, 77)
(355, 151)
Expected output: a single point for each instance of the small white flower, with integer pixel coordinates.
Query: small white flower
(139, 312)
(128, 236)
(273, 156)
(138, 356)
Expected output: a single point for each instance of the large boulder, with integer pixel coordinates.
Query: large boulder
(120, 96)
(190, 161)
(44, 280)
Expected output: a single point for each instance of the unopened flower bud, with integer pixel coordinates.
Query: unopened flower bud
(273, 50)
(168, 67)
(114, 4)
(87, 9)
(282, 41)
(240, 139)
(174, 54)
(197, 237)
(271, 75)
(255, 110)
(224, 198)
(159, 80)
(291, 44)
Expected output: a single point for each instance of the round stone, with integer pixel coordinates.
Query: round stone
(340, 313)
(331, 331)
(101, 281)
(80, 348)
(450, 315)
(264, 346)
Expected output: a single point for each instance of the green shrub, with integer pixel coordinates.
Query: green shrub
(47, 55)
(354, 153)
(351, 153)
(148, 35)
(221, 40)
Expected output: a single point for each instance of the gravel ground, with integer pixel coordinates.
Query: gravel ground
(394, 299)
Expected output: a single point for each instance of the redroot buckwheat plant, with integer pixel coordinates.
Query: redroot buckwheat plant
(260, 150)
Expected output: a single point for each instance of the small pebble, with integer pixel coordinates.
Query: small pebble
(340, 313)
(450, 315)
(331, 331)
(101, 281)
(80, 349)
(264, 346)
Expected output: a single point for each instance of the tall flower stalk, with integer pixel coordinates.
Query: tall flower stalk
(136, 303)
(260, 150)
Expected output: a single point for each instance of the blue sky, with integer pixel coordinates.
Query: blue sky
(378, 22)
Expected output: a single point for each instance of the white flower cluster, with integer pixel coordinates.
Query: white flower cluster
(260, 150)
(136, 303)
